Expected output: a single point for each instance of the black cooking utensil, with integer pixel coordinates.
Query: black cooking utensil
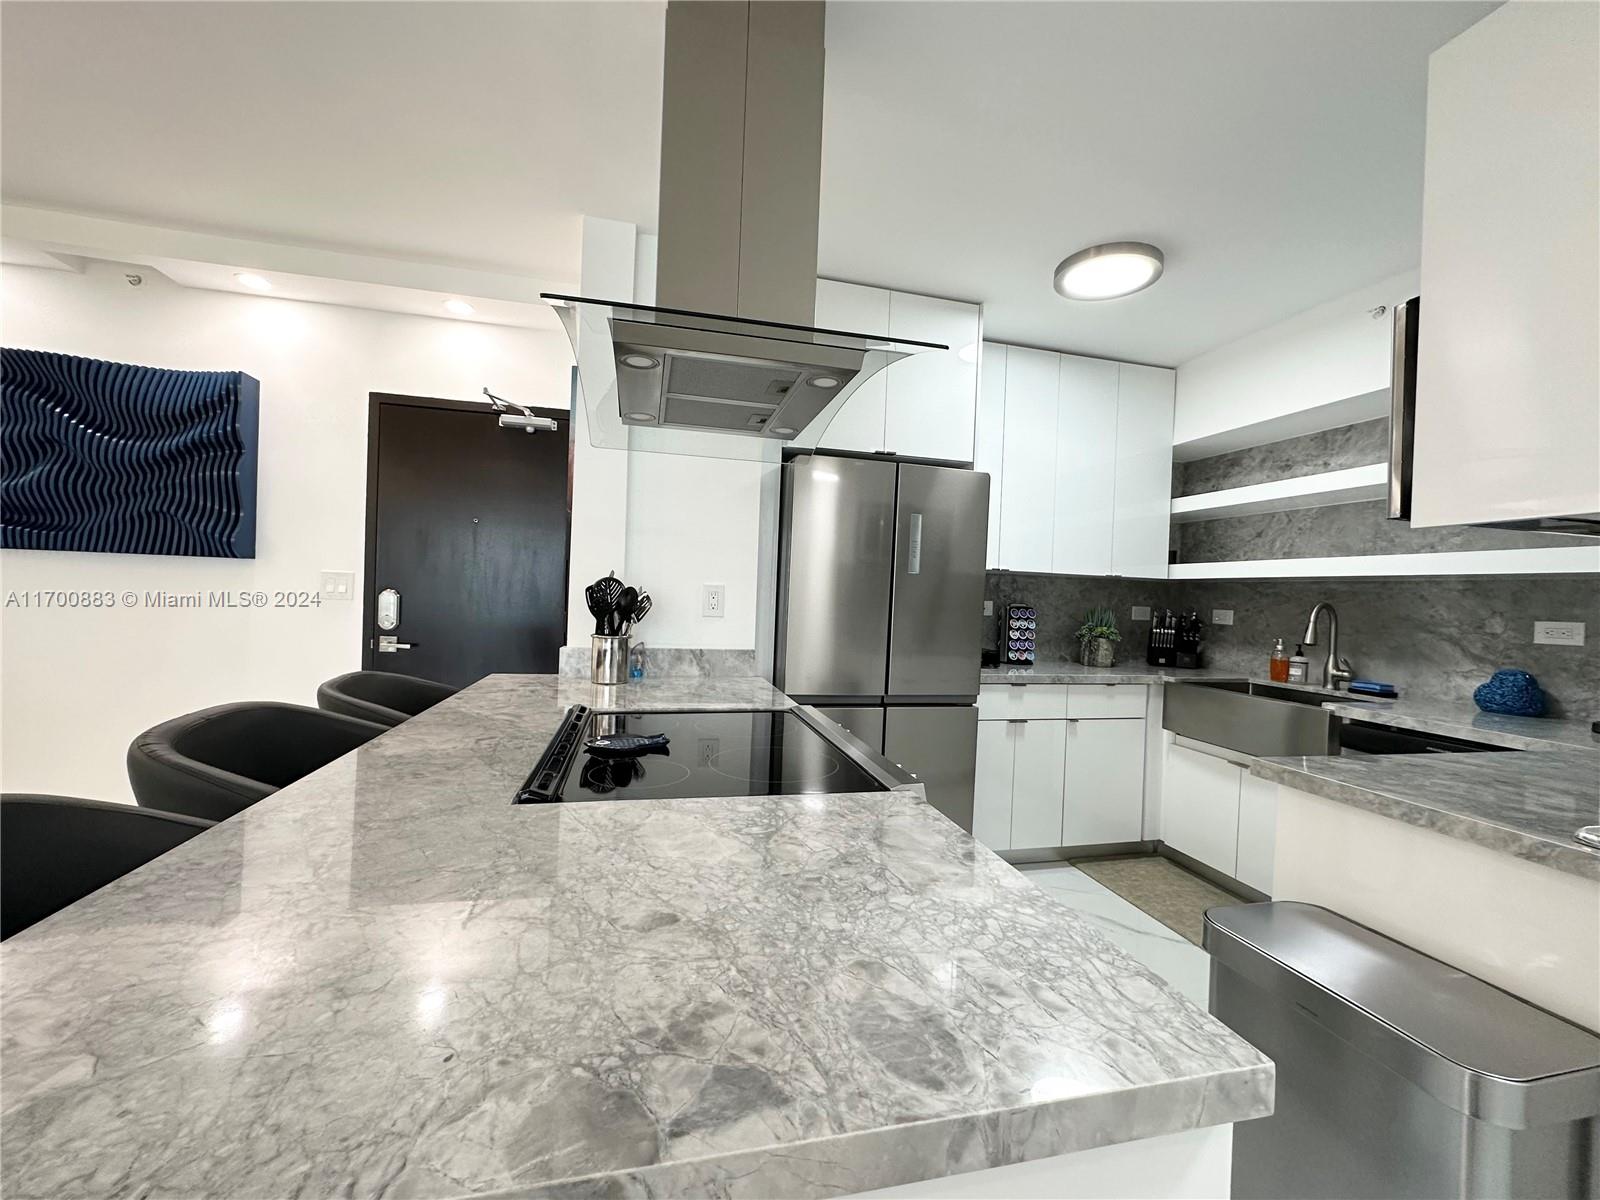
(622, 614)
(601, 597)
(640, 607)
(627, 745)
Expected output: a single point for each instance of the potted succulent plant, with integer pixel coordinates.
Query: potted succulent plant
(1098, 637)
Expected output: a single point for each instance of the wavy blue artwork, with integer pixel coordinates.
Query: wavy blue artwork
(122, 459)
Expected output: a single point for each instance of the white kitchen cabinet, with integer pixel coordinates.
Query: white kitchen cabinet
(1028, 481)
(1200, 807)
(992, 777)
(1143, 509)
(1258, 824)
(1086, 462)
(1508, 360)
(1039, 753)
(1103, 794)
(933, 395)
(859, 424)
(990, 438)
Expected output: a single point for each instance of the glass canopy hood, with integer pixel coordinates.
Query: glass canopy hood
(668, 380)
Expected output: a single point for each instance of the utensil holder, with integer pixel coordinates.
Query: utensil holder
(608, 658)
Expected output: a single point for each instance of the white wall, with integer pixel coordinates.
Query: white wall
(1286, 373)
(77, 686)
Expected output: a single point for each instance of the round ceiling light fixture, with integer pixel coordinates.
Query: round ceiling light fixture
(1110, 270)
(640, 362)
(459, 308)
(256, 283)
(826, 382)
(784, 431)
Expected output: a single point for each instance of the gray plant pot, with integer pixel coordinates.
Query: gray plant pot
(1097, 652)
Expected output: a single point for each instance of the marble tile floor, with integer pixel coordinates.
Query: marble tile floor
(1175, 897)
(1169, 954)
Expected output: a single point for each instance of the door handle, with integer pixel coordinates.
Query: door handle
(388, 644)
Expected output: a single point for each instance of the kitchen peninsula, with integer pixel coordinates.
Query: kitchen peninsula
(387, 979)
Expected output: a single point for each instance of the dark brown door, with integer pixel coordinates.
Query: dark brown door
(466, 542)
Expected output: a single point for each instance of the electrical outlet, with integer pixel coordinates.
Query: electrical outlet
(709, 749)
(713, 599)
(338, 585)
(1558, 633)
(1222, 616)
(1141, 612)
(988, 608)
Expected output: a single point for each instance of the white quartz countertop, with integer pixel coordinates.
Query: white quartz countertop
(387, 980)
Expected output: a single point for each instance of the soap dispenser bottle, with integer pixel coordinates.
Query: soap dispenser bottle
(1278, 667)
(1299, 666)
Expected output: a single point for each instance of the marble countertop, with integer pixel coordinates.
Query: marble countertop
(1523, 804)
(1464, 720)
(388, 980)
(1063, 671)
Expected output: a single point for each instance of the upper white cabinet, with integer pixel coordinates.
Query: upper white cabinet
(924, 406)
(1139, 532)
(1084, 463)
(989, 442)
(1508, 363)
(1028, 461)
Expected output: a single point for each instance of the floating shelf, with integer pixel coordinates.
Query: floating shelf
(1280, 495)
(1560, 560)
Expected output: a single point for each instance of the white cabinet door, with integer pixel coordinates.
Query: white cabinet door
(1143, 515)
(1200, 807)
(1028, 480)
(1508, 355)
(1104, 782)
(859, 425)
(989, 443)
(1258, 827)
(933, 396)
(1086, 438)
(1039, 762)
(991, 794)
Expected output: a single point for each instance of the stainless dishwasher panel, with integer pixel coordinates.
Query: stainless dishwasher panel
(1397, 1075)
(936, 628)
(938, 743)
(838, 558)
(1252, 725)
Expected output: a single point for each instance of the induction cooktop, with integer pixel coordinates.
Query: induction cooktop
(764, 752)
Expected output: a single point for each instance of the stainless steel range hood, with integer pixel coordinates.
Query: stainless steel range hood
(729, 364)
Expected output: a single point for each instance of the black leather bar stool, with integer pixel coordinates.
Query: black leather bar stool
(219, 761)
(380, 696)
(55, 850)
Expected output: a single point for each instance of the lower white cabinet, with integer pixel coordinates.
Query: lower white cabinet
(1103, 796)
(1200, 807)
(1217, 812)
(1046, 780)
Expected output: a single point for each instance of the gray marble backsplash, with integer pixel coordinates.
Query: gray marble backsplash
(671, 662)
(1435, 638)
(1357, 445)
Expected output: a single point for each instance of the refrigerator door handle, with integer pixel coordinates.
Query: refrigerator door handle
(914, 551)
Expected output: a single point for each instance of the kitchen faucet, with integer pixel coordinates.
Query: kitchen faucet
(1336, 671)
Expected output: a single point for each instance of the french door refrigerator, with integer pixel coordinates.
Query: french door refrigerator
(880, 603)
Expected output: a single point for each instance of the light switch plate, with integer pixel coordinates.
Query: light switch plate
(338, 585)
(1558, 633)
(1141, 612)
(1222, 616)
(713, 599)
(988, 608)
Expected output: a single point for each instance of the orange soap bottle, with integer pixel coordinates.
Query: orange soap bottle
(1279, 666)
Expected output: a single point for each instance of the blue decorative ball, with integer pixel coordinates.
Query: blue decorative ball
(1515, 693)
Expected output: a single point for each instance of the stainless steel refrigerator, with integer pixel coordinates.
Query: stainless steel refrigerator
(880, 609)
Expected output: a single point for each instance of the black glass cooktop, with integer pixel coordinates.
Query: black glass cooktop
(766, 753)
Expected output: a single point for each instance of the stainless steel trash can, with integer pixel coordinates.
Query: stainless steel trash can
(1398, 1075)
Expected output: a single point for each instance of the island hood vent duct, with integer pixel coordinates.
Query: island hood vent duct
(730, 364)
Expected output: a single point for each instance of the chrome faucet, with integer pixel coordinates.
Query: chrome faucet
(1336, 672)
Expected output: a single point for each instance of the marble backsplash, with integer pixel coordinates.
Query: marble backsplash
(671, 662)
(1436, 638)
(1347, 446)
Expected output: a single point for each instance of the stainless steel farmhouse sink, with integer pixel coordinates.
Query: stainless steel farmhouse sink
(1266, 720)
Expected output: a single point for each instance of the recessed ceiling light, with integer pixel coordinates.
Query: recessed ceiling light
(459, 307)
(1108, 271)
(826, 382)
(256, 283)
(640, 362)
(784, 431)
(641, 416)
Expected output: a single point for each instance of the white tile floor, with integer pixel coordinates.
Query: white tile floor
(1176, 959)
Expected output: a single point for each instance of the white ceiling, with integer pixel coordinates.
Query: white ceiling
(473, 133)
(1273, 149)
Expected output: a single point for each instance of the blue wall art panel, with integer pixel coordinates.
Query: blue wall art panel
(121, 459)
